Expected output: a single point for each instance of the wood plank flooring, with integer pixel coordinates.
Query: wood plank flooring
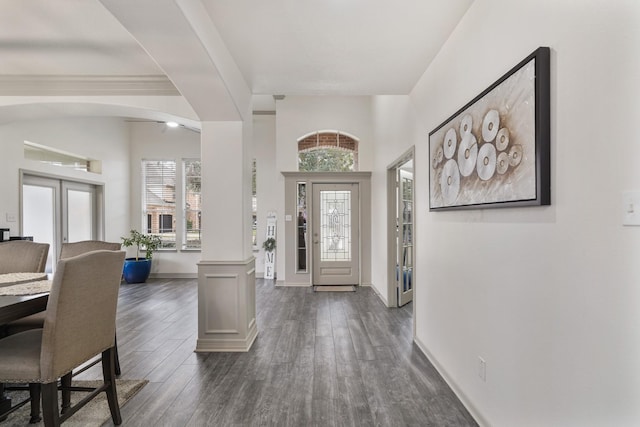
(320, 359)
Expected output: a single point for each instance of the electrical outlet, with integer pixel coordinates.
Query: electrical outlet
(482, 369)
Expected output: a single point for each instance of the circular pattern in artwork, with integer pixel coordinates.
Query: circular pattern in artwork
(515, 155)
(502, 139)
(450, 143)
(490, 125)
(486, 162)
(437, 158)
(450, 182)
(465, 125)
(467, 154)
(503, 163)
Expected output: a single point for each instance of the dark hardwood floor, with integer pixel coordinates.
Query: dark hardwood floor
(323, 359)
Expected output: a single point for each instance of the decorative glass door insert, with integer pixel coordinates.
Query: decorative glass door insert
(335, 225)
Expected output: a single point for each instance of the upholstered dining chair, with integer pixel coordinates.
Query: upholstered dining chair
(79, 324)
(23, 256)
(67, 250)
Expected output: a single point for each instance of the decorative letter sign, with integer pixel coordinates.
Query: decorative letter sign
(270, 256)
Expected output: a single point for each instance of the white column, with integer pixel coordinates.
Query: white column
(226, 273)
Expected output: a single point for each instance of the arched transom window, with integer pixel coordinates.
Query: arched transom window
(327, 151)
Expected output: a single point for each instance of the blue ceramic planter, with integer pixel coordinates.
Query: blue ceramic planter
(136, 271)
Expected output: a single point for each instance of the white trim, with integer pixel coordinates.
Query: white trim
(317, 132)
(293, 285)
(173, 275)
(70, 85)
(227, 345)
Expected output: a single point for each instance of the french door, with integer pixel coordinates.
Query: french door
(56, 211)
(404, 237)
(336, 243)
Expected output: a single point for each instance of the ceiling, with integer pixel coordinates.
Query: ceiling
(283, 47)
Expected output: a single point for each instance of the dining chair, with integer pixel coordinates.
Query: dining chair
(23, 256)
(79, 324)
(67, 250)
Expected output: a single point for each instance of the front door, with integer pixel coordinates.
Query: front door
(336, 240)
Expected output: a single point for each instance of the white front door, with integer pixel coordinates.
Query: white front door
(336, 240)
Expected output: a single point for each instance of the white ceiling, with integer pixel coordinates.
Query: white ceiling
(289, 47)
(67, 37)
(346, 47)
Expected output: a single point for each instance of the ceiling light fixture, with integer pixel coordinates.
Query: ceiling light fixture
(172, 124)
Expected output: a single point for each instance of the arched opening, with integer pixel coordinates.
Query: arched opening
(328, 151)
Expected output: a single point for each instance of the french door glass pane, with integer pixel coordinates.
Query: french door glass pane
(335, 226)
(80, 215)
(38, 217)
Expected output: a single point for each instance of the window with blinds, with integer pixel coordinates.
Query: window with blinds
(159, 204)
(193, 204)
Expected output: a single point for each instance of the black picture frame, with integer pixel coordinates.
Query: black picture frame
(495, 151)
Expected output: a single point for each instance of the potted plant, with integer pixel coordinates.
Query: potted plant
(136, 270)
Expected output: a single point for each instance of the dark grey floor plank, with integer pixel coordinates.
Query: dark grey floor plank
(361, 343)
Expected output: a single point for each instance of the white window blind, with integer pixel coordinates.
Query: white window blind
(159, 204)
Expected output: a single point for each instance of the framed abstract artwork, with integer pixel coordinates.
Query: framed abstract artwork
(495, 151)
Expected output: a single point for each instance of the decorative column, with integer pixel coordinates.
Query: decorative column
(226, 273)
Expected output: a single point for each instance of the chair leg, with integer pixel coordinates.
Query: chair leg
(34, 394)
(116, 358)
(65, 385)
(108, 372)
(50, 404)
(5, 403)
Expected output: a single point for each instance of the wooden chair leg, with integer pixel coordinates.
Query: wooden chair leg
(65, 385)
(116, 358)
(50, 404)
(5, 403)
(108, 372)
(34, 394)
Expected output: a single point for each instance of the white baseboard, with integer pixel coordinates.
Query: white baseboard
(282, 284)
(174, 275)
(452, 384)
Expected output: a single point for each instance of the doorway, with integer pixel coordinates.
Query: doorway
(57, 211)
(335, 225)
(401, 230)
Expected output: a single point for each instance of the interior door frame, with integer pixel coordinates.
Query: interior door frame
(392, 247)
(287, 225)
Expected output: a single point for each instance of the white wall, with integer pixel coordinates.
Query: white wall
(548, 296)
(264, 141)
(297, 116)
(105, 139)
(395, 132)
(155, 141)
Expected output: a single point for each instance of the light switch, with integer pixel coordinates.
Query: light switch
(288, 218)
(11, 217)
(631, 208)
